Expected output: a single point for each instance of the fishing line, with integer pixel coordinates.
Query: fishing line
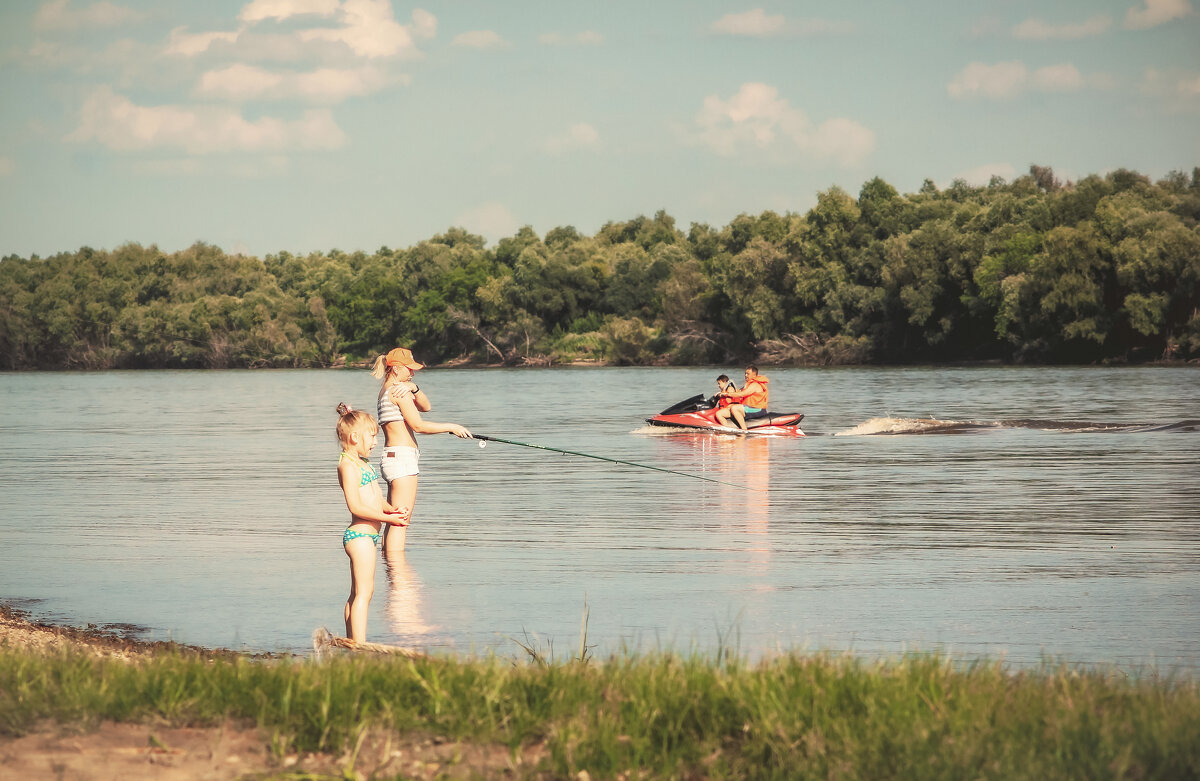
(484, 439)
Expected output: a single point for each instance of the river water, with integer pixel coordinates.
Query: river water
(1018, 513)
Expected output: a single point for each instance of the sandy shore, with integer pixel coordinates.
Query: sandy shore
(112, 751)
(19, 630)
(133, 752)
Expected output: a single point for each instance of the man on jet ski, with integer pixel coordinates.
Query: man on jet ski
(749, 402)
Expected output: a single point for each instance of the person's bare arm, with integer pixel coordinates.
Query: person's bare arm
(412, 416)
(401, 389)
(349, 476)
(738, 395)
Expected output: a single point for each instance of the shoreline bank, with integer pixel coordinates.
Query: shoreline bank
(20, 630)
(89, 704)
(365, 364)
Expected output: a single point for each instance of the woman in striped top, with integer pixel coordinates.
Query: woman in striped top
(401, 403)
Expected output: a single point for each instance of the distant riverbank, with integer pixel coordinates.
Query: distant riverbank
(472, 363)
(1033, 271)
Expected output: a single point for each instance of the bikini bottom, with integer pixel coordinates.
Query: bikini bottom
(354, 535)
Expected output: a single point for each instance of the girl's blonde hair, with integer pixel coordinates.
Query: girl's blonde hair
(352, 420)
(379, 368)
(382, 371)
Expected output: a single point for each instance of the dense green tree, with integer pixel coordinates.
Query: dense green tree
(1158, 270)
(882, 212)
(830, 285)
(1061, 300)
(632, 288)
(1037, 269)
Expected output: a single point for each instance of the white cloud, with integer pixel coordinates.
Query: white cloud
(7, 166)
(1009, 79)
(1179, 89)
(843, 139)
(118, 123)
(332, 85)
(424, 24)
(821, 27)
(1002, 80)
(250, 44)
(370, 29)
(362, 28)
(121, 62)
(258, 166)
(758, 24)
(580, 135)
(491, 220)
(1155, 12)
(57, 15)
(985, 27)
(757, 118)
(982, 174)
(254, 166)
(1057, 78)
(755, 115)
(1034, 29)
(51, 53)
(479, 39)
(585, 38)
(190, 44)
(258, 10)
(171, 167)
(238, 82)
(755, 23)
(242, 82)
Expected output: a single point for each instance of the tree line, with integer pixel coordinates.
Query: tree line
(1104, 269)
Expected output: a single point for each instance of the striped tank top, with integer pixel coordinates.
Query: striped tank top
(388, 411)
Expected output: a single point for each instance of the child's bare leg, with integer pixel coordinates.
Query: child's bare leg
(402, 492)
(362, 586)
(739, 413)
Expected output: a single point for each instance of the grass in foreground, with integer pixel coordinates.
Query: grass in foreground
(795, 716)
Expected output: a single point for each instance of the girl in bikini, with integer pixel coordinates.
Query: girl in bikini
(357, 432)
(401, 403)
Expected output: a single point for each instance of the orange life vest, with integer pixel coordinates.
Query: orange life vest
(754, 398)
(723, 400)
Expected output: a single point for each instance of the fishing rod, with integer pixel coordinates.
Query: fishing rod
(485, 439)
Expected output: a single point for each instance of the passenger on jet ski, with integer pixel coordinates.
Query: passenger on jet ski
(749, 402)
(724, 385)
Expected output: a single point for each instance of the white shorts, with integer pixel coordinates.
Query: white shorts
(398, 462)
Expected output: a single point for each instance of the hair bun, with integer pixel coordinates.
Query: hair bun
(344, 408)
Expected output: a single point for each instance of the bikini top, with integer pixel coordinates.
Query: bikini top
(368, 472)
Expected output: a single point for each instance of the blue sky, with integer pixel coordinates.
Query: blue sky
(304, 125)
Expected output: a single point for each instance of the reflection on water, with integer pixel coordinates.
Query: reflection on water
(405, 616)
(741, 505)
(756, 461)
(205, 506)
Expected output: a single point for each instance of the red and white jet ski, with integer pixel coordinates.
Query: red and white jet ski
(701, 413)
